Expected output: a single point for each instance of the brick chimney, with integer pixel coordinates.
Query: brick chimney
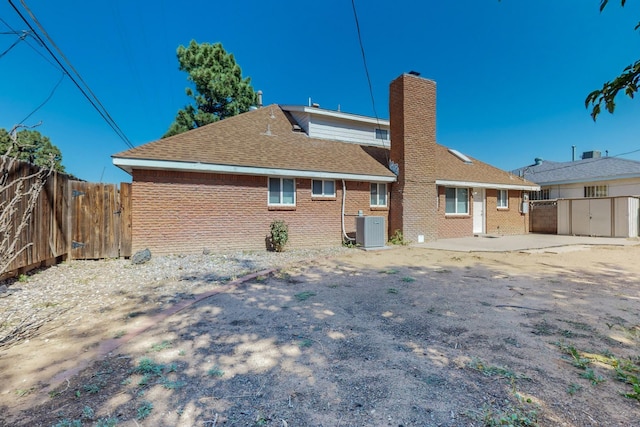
(413, 199)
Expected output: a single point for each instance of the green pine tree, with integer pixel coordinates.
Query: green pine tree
(31, 147)
(220, 89)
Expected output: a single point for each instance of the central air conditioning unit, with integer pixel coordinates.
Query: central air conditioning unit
(370, 231)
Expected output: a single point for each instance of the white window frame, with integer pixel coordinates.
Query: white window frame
(376, 203)
(324, 192)
(382, 134)
(595, 191)
(457, 190)
(281, 195)
(502, 199)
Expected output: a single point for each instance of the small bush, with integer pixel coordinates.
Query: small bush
(279, 235)
(398, 239)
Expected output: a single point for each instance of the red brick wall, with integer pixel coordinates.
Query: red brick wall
(412, 111)
(450, 226)
(498, 221)
(505, 221)
(182, 212)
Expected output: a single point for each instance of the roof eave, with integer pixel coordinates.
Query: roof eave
(129, 164)
(453, 183)
(587, 179)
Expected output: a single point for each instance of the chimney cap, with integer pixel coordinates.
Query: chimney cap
(414, 73)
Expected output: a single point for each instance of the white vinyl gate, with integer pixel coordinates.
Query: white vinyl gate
(603, 217)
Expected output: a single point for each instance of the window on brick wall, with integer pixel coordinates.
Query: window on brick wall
(503, 199)
(323, 188)
(378, 194)
(456, 201)
(282, 192)
(595, 191)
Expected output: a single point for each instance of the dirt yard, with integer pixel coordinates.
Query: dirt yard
(400, 337)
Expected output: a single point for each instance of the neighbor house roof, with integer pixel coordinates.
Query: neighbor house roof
(259, 142)
(587, 170)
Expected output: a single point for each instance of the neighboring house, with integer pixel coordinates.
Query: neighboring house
(594, 196)
(592, 176)
(221, 185)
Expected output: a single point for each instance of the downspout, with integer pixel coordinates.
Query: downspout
(344, 199)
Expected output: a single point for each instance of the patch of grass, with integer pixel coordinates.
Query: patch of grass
(492, 370)
(573, 388)
(92, 388)
(148, 366)
(23, 278)
(590, 375)
(172, 385)
(106, 422)
(512, 416)
(303, 296)
(87, 413)
(215, 372)
(119, 334)
(21, 392)
(543, 328)
(160, 346)
(392, 291)
(305, 343)
(144, 410)
(389, 271)
(578, 325)
(575, 358)
(408, 279)
(181, 353)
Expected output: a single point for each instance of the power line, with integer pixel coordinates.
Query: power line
(364, 60)
(45, 101)
(93, 99)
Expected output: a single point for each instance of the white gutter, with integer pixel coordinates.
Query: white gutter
(487, 185)
(336, 114)
(129, 164)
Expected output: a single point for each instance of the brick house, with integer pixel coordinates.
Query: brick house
(221, 185)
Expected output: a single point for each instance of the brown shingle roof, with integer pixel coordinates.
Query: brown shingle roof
(265, 138)
(262, 138)
(451, 168)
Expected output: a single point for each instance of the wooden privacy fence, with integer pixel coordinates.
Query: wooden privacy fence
(70, 220)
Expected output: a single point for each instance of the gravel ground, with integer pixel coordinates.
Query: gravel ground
(62, 290)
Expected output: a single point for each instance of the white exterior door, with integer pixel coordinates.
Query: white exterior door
(478, 211)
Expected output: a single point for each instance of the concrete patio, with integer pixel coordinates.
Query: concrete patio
(526, 242)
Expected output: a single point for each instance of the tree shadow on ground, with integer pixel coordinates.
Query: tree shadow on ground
(339, 344)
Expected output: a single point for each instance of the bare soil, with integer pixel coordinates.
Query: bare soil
(400, 337)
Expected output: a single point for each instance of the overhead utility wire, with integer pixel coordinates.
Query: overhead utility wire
(46, 99)
(101, 110)
(364, 60)
(13, 31)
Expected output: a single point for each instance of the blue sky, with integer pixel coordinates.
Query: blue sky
(512, 76)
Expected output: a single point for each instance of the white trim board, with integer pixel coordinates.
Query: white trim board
(129, 164)
(487, 185)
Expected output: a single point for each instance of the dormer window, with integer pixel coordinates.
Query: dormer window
(382, 134)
